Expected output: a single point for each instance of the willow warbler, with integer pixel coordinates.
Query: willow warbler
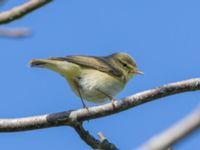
(95, 79)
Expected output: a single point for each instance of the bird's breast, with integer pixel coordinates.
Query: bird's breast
(96, 86)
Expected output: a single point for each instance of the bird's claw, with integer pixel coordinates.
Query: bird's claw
(113, 102)
(85, 107)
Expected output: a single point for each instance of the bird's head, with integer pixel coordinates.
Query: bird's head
(126, 64)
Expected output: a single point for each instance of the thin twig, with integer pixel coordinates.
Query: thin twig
(71, 116)
(174, 134)
(101, 136)
(92, 141)
(22, 10)
(15, 33)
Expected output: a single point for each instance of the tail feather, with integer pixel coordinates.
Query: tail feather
(38, 62)
(64, 68)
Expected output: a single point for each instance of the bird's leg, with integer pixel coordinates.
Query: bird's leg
(83, 103)
(79, 93)
(109, 97)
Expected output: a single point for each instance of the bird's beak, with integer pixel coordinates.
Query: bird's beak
(136, 72)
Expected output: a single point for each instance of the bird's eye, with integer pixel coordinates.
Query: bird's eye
(125, 65)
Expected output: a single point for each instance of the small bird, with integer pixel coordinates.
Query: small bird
(92, 78)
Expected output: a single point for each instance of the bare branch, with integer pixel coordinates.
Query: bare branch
(71, 116)
(101, 136)
(90, 140)
(22, 10)
(174, 134)
(15, 33)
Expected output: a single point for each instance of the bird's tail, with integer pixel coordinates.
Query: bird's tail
(55, 64)
(40, 62)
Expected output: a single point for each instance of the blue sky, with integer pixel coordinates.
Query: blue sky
(162, 36)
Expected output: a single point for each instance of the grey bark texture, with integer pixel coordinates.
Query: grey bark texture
(22, 10)
(75, 118)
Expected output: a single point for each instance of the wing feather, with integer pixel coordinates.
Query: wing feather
(103, 64)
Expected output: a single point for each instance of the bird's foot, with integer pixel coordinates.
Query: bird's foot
(86, 107)
(113, 102)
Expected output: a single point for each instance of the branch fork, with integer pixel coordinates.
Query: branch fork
(75, 118)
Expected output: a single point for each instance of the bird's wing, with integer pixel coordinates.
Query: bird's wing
(100, 63)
